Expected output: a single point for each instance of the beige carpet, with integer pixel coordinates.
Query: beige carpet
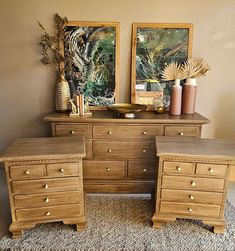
(124, 223)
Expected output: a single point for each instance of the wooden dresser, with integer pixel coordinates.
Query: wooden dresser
(45, 182)
(192, 180)
(120, 153)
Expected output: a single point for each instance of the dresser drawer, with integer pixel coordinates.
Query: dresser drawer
(63, 169)
(191, 196)
(73, 130)
(95, 169)
(178, 167)
(211, 169)
(27, 171)
(124, 150)
(141, 169)
(45, 185)
(183, 131)
(127, 131)
(48, 213)
(48, 199)
(190, 209)
(194, 183)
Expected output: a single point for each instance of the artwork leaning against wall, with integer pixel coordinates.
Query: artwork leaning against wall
(94, 71)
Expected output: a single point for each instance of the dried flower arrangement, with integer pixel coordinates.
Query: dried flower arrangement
(173, 71)
(51, 47)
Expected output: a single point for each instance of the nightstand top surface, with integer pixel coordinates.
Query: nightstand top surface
(44, 148)
(194, 147)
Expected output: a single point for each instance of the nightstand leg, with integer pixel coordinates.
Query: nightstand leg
(218, 226)
(80, 226)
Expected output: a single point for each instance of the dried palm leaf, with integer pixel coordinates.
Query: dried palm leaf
(195, 67)
(173, 71)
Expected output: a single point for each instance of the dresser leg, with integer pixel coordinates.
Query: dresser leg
(16, 228)
(218, 229)
(16, 234)
(158, 224)
(80, 226)
(218, 226)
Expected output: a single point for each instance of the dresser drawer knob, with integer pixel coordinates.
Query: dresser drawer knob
(48, 213)
(46, 186)
(109, 132)
(145, 133)
(178, 168)
(190, 209)
(62, 170)
(181, 133)
(191, 197)
(108, 169)
(27, 172)
(144, 150)
(210, 170)
(47, 200)
(193, 183)
(109, 150)
(72, 132)
(145, 170)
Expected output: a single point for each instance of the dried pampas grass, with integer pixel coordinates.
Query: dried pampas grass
(195, 67)
(173, 71)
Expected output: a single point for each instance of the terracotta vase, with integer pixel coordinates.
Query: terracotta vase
(189, 96)
(176, 95)
(62, 95)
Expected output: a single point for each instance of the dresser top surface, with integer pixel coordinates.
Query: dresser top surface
(44, 148)
(141, 117)
(211, 148)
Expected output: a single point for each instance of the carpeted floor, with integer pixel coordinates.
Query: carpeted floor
(118, 222)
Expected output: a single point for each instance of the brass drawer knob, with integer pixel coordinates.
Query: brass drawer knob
(47, 200)
(108, 169)
(191, 197)
(190, 209)
(61, 170)
(210, 170)
(144, 150)
(145, 170)
(72, 132)
(181, 133)
(178, 168)
(145, 133)
(109, 150)
(109, 132)
(193, 183)
(48, 213)
(27, 172)
(46, 186)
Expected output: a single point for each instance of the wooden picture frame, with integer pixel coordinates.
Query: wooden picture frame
(154, 45)
(95, 65)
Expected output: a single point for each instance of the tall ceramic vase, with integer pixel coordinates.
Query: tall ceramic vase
(176, 95)
(189, 96)
(62, 94)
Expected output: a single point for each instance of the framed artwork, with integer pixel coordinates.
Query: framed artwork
(94, 68)
(153, 47)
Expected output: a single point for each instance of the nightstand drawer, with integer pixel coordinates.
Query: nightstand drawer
(63, 169)
(194, 183)
(211, 169)
(48, 199)
(45, 185)
(103, 169)
(141, 169)
(127, 131)
(182, 131)
(188, 196)
(178, 167)
(123, 150)
(73, 130)
(48, 213)
(27, 171)
(189, 209)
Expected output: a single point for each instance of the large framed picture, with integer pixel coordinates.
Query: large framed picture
(155, 45)
(94, 69)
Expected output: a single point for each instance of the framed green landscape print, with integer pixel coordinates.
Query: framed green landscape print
(94, 69)
(155, 45)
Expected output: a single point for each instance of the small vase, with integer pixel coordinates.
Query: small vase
(62, 94)
(189, 96)
(176, 95)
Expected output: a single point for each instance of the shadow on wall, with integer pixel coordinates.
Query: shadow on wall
(5, 213)
(225, 117)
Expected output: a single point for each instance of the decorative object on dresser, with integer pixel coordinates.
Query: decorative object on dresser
(120, 153)
(45, 182)
(192, 180)
(155, 45)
